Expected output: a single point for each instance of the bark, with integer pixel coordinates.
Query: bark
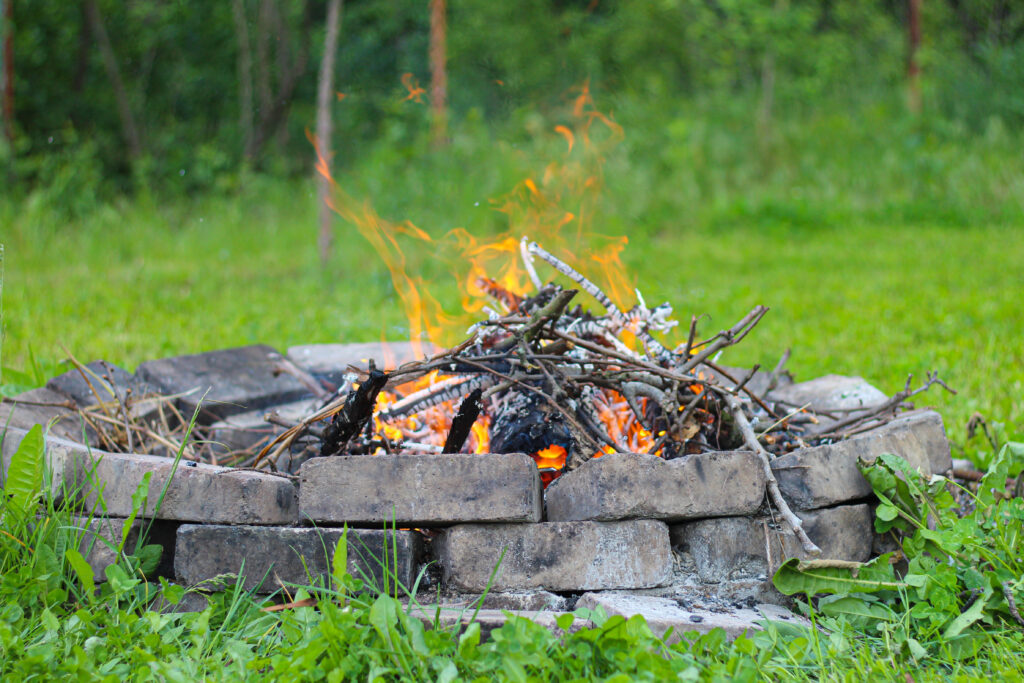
(323, 123)
(270, 119)
(267, 18)
(8, 75)
(129, 127)
(913, 67)
(244, 65)
(438, 72)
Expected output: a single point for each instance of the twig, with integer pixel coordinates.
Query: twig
(897, 398)
(750, 438)
(725, 338)
(1011, 603)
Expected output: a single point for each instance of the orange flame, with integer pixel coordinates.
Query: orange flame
(557, 208)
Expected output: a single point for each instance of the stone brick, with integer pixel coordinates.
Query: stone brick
(730, 548)
(516, 601)
(827, 393)
(58, 453)
(101, 536)
(108, 385)
(330, 361)
(556, 556)
(196, 493)
(420, 489)
(626, 486)
(246, 430)
(238, 380)
(273, 557)
(457, 618)
(40, 406)
(662, 614)
(828, 475)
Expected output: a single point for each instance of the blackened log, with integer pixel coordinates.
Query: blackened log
(462, 423)
(357, 411)
(527, 424)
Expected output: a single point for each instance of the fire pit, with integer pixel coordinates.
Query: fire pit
(556, 451)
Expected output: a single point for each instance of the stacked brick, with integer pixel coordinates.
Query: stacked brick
(621, 522)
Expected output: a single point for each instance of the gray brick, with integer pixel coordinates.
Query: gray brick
(238, 380)
(271, 557)
(420, 489)
(828, 475)
(731, 548)
(101, 536)
(625, 486)
(41, 406)
(556, 556)
(196, 493)
(662, 614)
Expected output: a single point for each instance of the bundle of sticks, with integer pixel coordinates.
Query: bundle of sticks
(547, 373)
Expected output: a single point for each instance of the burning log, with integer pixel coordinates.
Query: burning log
(355, 414)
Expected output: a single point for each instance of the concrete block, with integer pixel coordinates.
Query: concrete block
(423, 490)
(730, 548)
(59, 454)
(457, 618)
(556, 556)
(272, 557)
(250, 429)
(627, 486)
(330, 361)
(664, 614)
(233, 381)
(828, 475)
(47, 407)
(109, 385)
(101, 536)
(196, 492)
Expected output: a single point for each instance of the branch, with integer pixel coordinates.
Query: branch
(736, 409)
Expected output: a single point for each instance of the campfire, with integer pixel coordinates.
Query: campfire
(543, 375)
(556, 367)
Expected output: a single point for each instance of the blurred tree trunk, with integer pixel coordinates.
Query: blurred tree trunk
(8, 76)
(244, 72)
(130, 129)
(264, 30)
(323, 124)
(438, 72)
(270, 118)
(913, 45)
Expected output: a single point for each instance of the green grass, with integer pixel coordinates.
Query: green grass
(883, 246)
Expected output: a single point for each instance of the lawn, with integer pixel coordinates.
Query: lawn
(874, 260)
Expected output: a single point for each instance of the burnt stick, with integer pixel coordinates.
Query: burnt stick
(462, 423)
(774, 493)
(550, 311)
(357, 411)
(690, 339)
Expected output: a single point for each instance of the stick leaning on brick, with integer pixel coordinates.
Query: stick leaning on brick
(750, 438)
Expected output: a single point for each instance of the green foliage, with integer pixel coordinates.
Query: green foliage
(25, 475)
(961, 574)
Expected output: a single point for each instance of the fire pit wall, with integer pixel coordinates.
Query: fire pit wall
(695, 529)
